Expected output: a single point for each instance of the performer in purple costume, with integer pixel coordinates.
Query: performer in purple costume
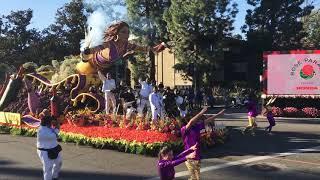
(167, 161)
(190, 133)
(270, 118)
(252, 114)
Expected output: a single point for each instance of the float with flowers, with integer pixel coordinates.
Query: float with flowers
(291, 83)
(82, 119)
(70, 92)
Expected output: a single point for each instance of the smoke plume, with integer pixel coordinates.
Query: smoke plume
(104, 14)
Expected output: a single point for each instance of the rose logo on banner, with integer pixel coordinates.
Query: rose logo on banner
(307, 72)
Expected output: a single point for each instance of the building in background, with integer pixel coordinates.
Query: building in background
(235, 64)
(166, 74)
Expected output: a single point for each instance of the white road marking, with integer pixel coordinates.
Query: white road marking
(246, 161)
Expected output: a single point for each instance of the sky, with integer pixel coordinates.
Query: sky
(44, 11)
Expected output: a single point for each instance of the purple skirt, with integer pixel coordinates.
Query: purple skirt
(252, 114)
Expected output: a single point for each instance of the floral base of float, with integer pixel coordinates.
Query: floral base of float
(136, 136)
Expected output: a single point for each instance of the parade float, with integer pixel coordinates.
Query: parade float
(291, 82)
(80, 109)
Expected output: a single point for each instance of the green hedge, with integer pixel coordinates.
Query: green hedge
(150, 149)
(133, 147)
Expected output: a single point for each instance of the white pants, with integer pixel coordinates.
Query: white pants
(162, 112)
(155, 112)
(183, 113)
(143, 102)
(129, 112)
(51, 167)
(109, 97)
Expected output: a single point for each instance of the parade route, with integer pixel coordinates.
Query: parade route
(255, 159)
(292, 152)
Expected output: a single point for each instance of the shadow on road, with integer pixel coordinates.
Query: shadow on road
(35, 174)
(262, 144)
(5, 162)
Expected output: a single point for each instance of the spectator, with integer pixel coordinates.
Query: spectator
(48, 149)
(190, 98)
(199, 98)
(170, 103)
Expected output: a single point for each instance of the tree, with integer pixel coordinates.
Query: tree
(275, 24)
(17, 40)
(197, 30)
(69, 27)
(146, 22)
(139, 69)
(311, 26)
(4, 68)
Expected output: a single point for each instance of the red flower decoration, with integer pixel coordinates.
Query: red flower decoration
(120, 134)
(307, 70)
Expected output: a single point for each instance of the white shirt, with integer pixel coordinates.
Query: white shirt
(155, 101)
(179, 100)
(108, 84)
(160, 98)
(46, 138)
(146, 89)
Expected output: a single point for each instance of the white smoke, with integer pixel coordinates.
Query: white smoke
(105, 13)
(96, 25)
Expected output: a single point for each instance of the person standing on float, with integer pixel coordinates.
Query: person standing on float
(108, 86)
(155, 103)
(145, 91)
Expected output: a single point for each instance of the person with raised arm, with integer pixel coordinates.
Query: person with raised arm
(48, 149)
(190, 133)
(167, 161)
(108, 86)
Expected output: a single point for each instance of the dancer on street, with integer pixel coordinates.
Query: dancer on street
(252, 113)
(270, 119)
(190, 133)
(167, 161)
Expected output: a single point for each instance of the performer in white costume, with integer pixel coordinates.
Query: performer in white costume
(145, 91)
(108, 86)
(155, 103)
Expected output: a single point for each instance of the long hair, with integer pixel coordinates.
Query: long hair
(113, 30)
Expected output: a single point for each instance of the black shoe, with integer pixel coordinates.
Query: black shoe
(55, 179)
